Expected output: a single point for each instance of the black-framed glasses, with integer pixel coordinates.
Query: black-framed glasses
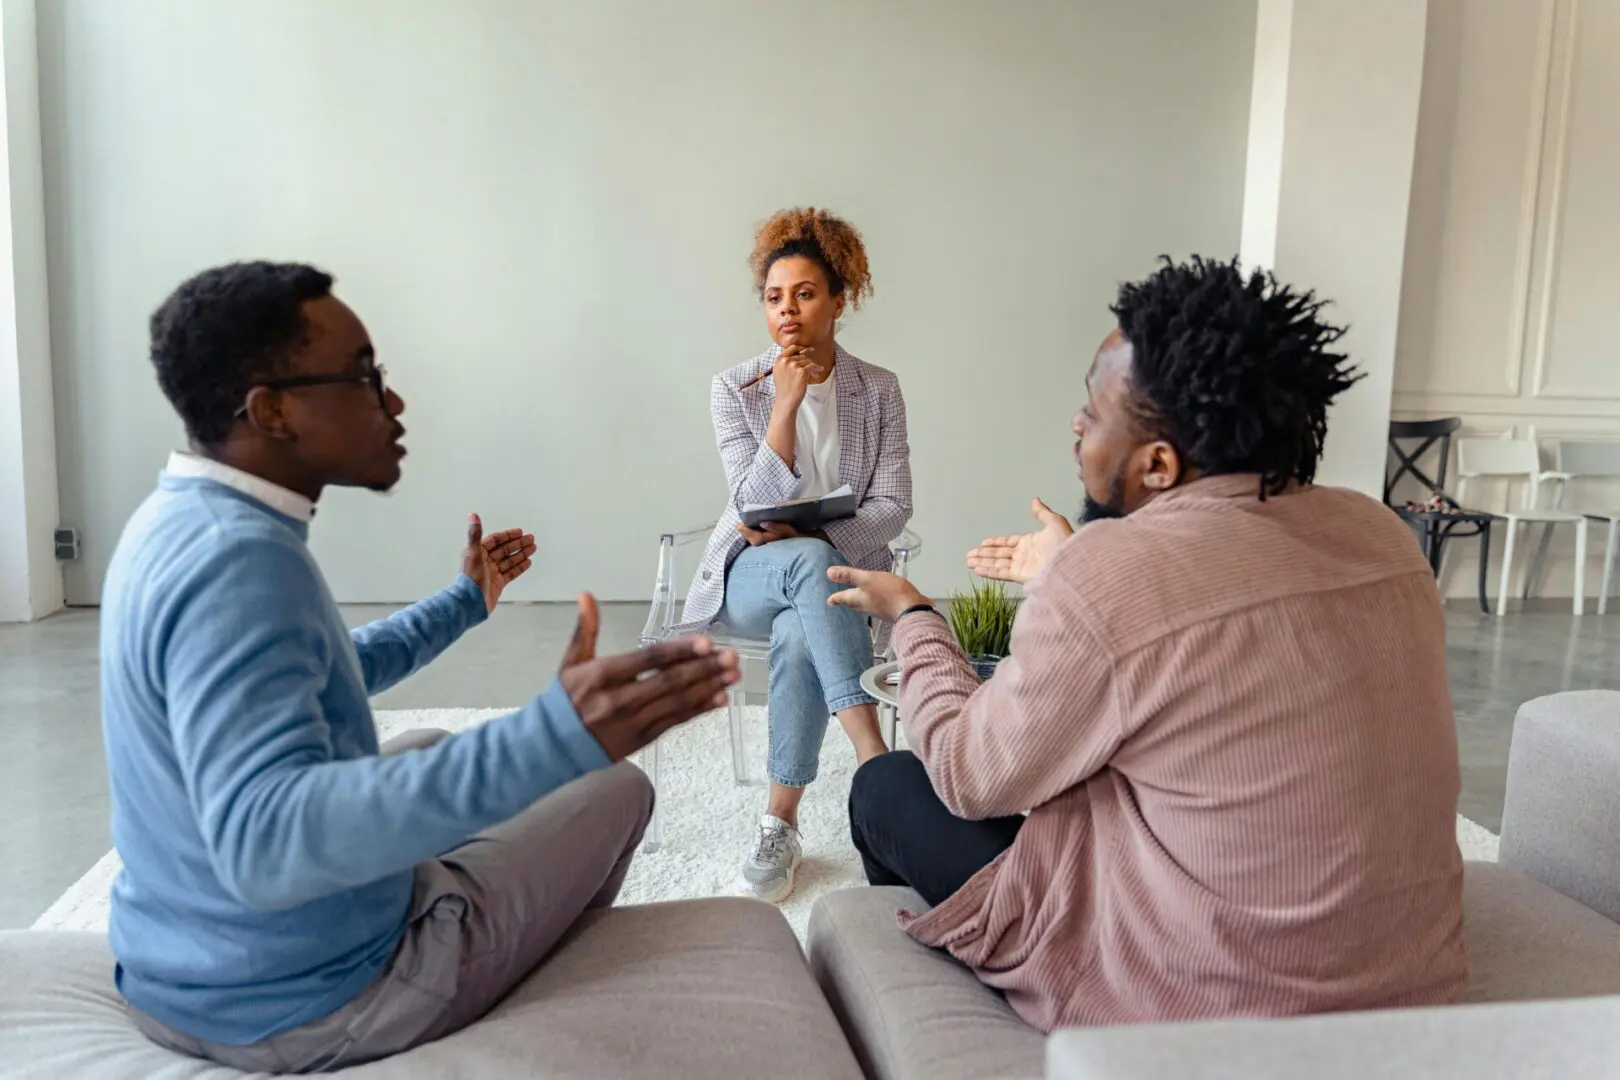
(376, 377)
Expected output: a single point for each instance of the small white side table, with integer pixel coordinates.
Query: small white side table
(875, 681)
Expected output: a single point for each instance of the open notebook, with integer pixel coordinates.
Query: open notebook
(806, 515)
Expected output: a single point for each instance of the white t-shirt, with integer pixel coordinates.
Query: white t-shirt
(816, 441)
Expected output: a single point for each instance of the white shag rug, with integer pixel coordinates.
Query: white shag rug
(708, 821)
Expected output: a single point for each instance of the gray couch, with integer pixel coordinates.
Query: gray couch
(1543, 926)
(680, 991)
(719, 988)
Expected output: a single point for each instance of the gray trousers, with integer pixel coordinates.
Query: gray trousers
(483, 917)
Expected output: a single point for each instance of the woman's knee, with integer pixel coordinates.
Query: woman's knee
(812, 558)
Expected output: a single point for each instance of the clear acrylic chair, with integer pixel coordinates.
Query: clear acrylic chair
(664, 620)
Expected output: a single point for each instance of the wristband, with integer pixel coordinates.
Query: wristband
(914, 608)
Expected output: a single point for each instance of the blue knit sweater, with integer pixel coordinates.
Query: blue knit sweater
(267, 849)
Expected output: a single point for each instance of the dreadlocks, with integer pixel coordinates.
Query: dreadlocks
(1235, 372)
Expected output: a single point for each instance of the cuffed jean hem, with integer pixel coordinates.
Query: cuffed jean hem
(780, 782)
(849, 701)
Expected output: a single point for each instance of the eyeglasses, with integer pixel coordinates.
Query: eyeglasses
(374, 376)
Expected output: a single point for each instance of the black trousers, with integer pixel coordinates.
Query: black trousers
(906, 836)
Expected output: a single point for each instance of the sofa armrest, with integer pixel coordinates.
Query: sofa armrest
(1476, 1042)
(1563, 797)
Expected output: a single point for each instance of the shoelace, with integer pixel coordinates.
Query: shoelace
(771, 841)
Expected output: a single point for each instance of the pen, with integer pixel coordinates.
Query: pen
(757, 378)
(767, 374)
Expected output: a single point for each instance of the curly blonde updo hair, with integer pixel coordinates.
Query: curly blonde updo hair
(830, 242)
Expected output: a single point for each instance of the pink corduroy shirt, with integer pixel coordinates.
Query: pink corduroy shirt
(1230, 723)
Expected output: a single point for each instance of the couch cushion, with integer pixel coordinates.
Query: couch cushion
(911, 1013)
(1461, 1042)
(694, 989)
(1559, 811)
(1526, 941)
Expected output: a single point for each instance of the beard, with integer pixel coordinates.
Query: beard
(1092, 510)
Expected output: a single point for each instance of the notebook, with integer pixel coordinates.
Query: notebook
(805, 515)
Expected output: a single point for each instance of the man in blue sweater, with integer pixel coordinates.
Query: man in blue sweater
(294, 897)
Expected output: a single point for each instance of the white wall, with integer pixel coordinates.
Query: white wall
(1332, 124)
(543, 212)
(30, 580)
(1268, 116)
(1507, 317)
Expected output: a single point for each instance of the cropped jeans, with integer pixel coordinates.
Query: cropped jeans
(818, 652)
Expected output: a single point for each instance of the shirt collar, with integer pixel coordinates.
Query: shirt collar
(276, 497)
(1230, 486)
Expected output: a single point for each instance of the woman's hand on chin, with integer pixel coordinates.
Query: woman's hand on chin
(795, 368)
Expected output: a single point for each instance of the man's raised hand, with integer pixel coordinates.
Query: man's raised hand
(628, 701)
(1020, 558)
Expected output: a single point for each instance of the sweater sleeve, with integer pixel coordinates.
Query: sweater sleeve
(407, 641)
(1045, 722)
(755, 474)
(247, 656)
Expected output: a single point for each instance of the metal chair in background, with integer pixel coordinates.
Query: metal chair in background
(664, 620)
(1441, 518)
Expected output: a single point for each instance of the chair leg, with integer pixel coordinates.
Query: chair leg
(1539, 561)
(1484, 565)
(653, 838)
(1580, 567)
(1608, 566)
(1505, 590)
(886, 724)
(739, 749)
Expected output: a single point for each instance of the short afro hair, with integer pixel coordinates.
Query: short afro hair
(830, 242)
(1236, 372)
(225, 329)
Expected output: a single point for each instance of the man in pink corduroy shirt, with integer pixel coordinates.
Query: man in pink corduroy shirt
(1225, 710)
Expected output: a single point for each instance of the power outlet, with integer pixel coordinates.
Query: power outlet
(67, 545)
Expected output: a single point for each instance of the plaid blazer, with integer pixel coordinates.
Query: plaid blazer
(874, 460)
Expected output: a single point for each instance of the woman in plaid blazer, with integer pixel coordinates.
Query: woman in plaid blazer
(798, 421)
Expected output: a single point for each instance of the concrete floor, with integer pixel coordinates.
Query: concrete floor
(53, 787)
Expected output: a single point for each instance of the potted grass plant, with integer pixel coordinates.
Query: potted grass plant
(982, 620)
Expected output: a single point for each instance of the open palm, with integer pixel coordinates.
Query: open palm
(1020, 558)
(496, 560)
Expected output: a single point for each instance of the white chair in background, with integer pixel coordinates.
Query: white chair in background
(1520, 459)
(664, 620)
(1577, 459)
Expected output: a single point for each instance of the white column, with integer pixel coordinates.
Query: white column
(30, 578)
(1332, 129)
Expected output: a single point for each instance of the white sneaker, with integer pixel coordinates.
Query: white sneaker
(777, 854)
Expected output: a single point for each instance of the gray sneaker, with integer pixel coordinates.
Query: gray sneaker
(777, 853)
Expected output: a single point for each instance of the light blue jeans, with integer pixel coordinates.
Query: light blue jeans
(818, 652)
